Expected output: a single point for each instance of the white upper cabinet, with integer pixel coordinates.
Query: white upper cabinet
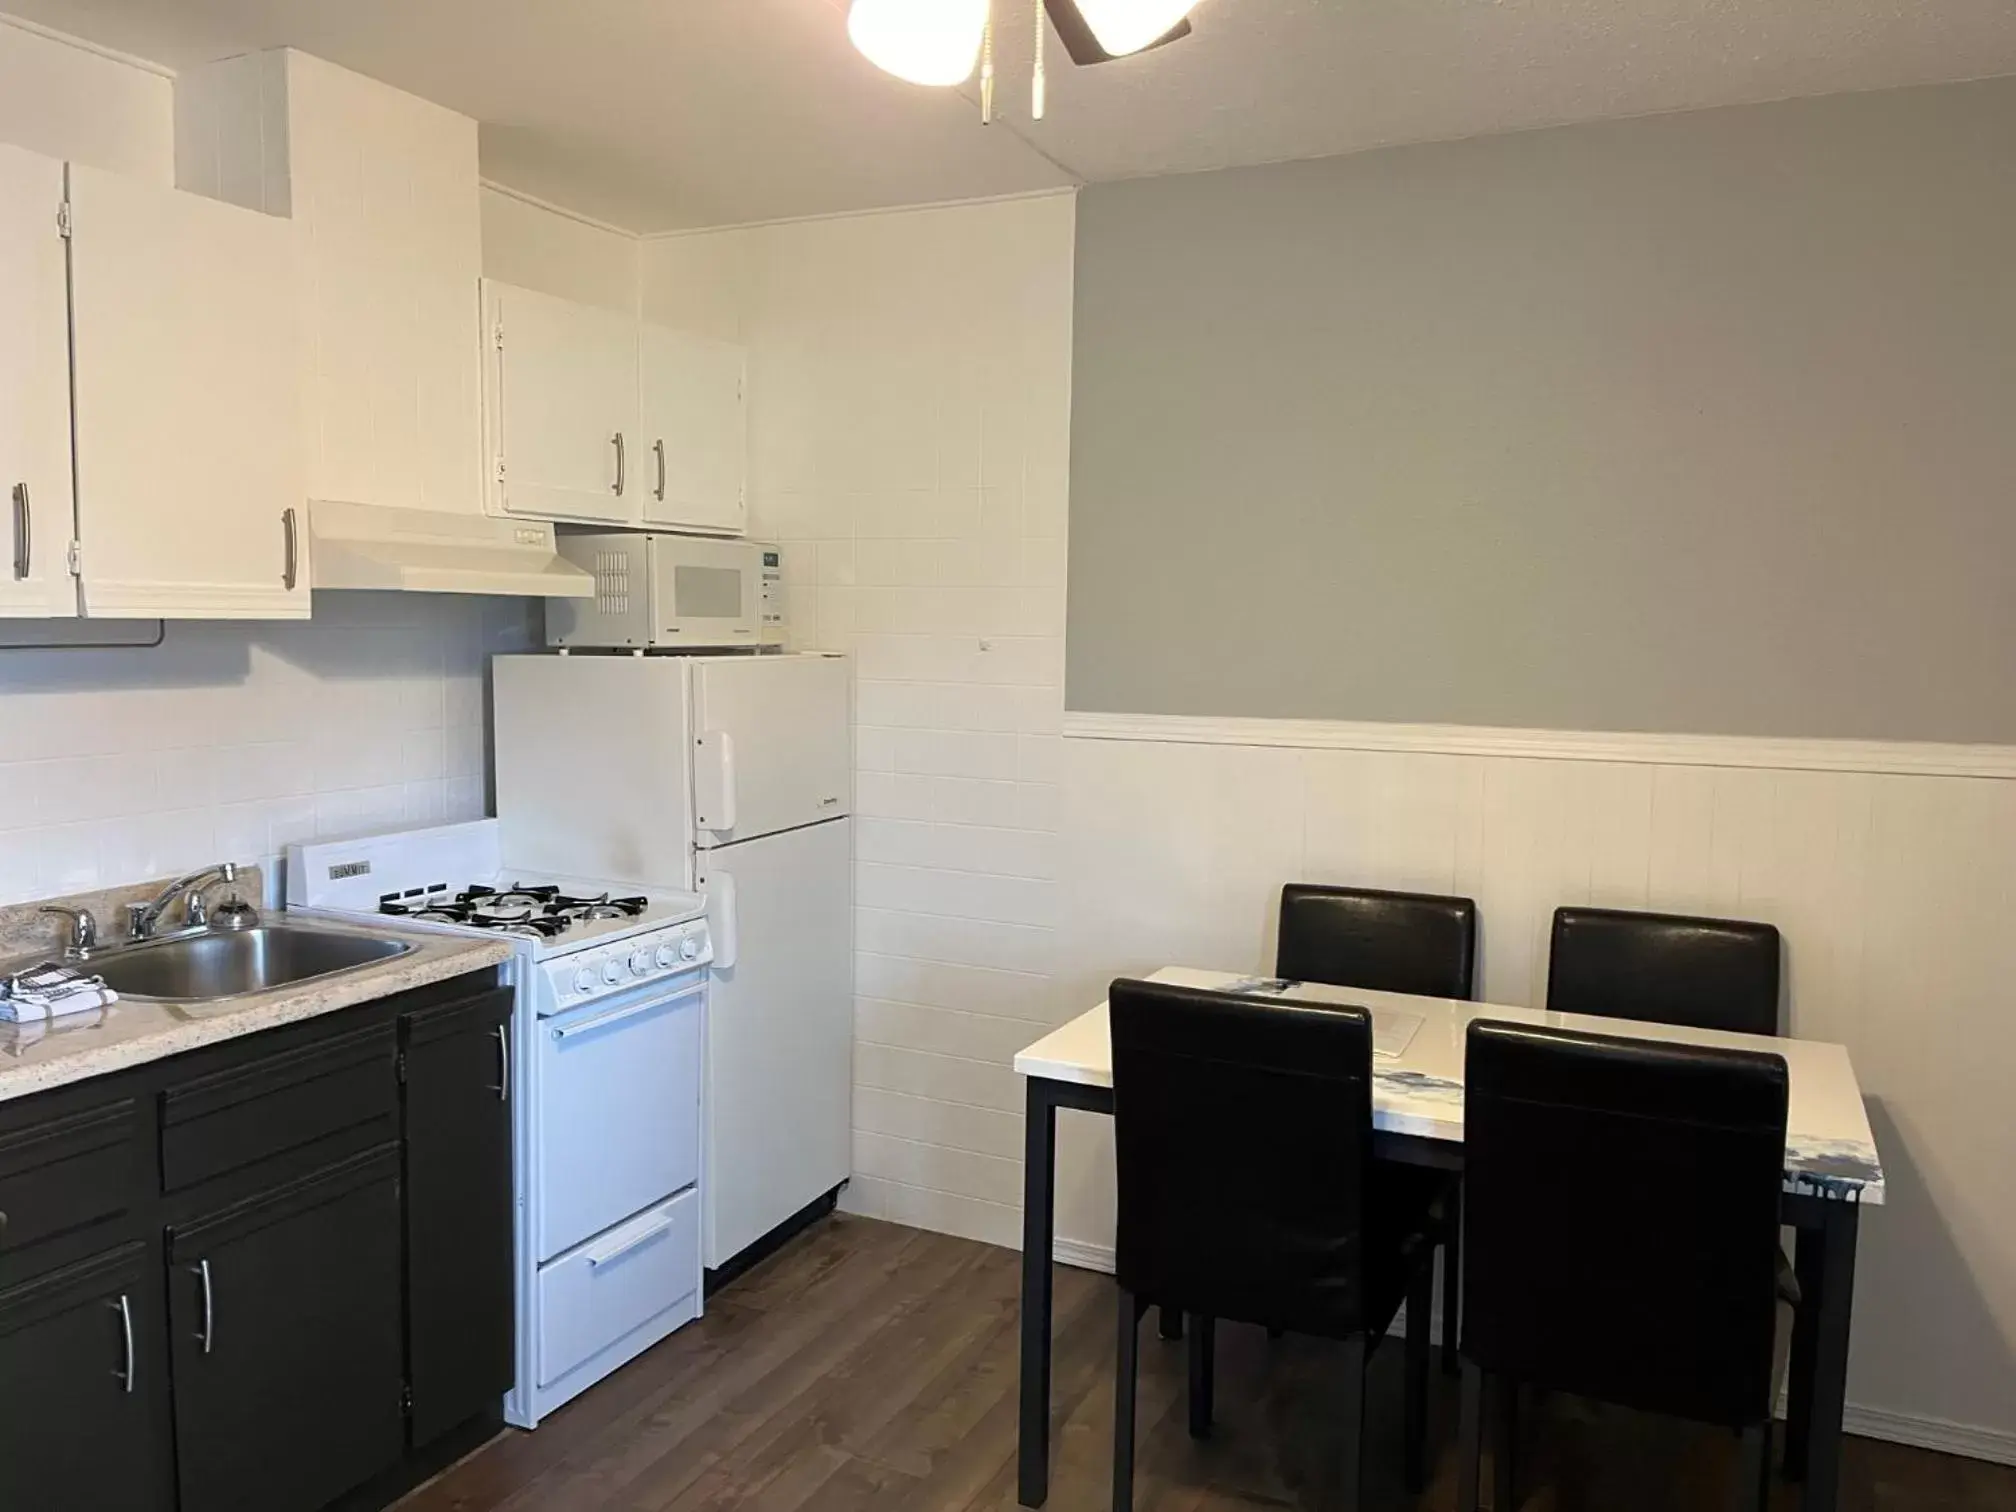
(186, 366)
(35, 505)
(384, 189)
(561, 396)
(693, 422)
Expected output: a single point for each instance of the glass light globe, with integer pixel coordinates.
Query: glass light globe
(924, 41)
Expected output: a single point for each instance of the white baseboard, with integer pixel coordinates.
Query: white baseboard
(1991, 1444)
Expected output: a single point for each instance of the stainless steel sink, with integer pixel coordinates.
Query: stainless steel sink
(205, 967)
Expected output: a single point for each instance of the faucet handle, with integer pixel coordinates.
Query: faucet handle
(83, 927)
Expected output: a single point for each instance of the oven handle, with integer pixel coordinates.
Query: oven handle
(603, 1021)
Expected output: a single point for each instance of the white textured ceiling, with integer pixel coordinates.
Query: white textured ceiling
(664, 114)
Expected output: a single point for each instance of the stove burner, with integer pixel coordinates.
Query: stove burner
(534, 911)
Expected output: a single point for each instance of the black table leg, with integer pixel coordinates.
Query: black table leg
(1829, 1385)
(1808, 1263)
(1171, 1324)
(1039, 1170)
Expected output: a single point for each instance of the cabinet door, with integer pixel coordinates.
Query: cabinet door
(284, 1312)
(85, 1387)
(458, 1210)
(35, 511)
(190, 456)
(563, 409)
(692, 415)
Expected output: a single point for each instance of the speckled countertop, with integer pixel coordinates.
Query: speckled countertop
(37, 1057)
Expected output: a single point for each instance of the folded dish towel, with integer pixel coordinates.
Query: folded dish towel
(51, 991)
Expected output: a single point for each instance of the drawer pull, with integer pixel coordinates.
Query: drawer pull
(599, 1258)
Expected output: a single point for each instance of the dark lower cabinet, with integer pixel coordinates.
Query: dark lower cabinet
(269, 1275)
(285, 1314)
(81, 1377)
(458, 1203)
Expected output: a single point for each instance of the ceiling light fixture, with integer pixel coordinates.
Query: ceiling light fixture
(1127, 26)
(938, 41)
(924, 41)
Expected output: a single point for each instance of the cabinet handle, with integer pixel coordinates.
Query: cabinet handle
(618, 439)
(503, 1064)
(129, 1374)
(658, 446)
(24, 533)
(291, 535)
(209, 1333)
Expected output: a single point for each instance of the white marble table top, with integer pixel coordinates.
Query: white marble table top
(1829, 1148)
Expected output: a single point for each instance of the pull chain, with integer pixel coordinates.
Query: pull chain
(1038, 87)
(987, 68)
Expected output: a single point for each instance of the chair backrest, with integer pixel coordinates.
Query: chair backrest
(1388, 941)
(1665, 968)
(1242, 1129)
(1620, 1218)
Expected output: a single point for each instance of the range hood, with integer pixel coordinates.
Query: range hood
(431, 551)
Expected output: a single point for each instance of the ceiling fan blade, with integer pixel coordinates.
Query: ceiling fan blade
(1076, 34)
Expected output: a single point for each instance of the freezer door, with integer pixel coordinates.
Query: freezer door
(773, 745)
(780, 1032)
(593, 769)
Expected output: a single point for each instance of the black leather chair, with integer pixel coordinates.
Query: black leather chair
(1665, 968)
(1243, 1133)
(1583, 1148)
(1421, 943)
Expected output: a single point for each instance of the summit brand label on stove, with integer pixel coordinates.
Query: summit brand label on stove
(344, 869)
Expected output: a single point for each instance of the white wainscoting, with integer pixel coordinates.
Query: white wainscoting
(1890, 868)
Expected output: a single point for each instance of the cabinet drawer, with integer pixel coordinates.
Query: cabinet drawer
(63, 1173)
(618, 1283)
(231, 1119)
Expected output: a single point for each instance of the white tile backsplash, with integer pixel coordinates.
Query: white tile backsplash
(234, 740)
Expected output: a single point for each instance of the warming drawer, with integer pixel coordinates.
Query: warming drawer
(616, 1285)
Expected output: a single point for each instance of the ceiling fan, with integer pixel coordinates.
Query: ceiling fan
(939, 41)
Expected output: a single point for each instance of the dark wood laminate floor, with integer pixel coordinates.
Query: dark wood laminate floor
(871, 1366)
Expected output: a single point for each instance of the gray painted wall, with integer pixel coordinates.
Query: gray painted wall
(1694, 423)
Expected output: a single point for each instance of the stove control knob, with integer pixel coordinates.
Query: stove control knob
(667, 956)
(584, 980)
(612, 971)
(640, 963)
(689, 949)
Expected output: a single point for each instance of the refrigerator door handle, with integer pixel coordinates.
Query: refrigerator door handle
(714, 781)
(718, 887)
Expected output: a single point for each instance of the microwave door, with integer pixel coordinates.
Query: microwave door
(708, 593)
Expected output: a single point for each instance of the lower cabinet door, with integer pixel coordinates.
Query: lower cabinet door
(285, 1319)
(458, 1201)
(83, 1387)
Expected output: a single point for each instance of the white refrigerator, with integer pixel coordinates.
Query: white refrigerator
(731, 776)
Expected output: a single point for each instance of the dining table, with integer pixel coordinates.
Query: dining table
(1832, 1171)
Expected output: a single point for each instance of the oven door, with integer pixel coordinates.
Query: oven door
(618, 1106)
(705, 593)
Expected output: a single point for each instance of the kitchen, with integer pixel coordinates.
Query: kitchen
(911, 442)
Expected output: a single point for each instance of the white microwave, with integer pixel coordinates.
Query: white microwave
(658, 592)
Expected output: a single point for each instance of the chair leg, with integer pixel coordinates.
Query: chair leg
(1172, 1323)
(1420, 1344)
(1452, 1289)
(1505, 1446)
(1203, 1351)
(1126, 1366)
(1351, 1461)
(1753, 1490)
(1469, 1438)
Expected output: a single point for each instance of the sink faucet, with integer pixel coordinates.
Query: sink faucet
(142, 919)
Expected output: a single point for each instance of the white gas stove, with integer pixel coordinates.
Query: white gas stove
(609, 1038)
